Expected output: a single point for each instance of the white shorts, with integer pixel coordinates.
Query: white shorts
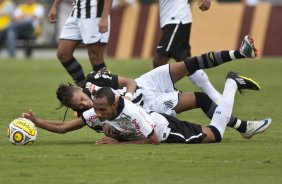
(158, 91)
(86, 30)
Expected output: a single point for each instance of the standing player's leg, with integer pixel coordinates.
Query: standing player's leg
(70, 38)
(65, 55)
(166, 43)
(96, 55)
(95, 41)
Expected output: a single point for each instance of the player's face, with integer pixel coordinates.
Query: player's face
(104, 111)
(81, 101)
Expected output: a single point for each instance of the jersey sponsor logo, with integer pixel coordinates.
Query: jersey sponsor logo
(168, 104)
(137, 127)
(91, 118)
(217, 112)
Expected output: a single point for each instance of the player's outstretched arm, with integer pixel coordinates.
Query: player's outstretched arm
(52, 125)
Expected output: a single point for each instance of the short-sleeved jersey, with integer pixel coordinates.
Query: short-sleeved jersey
(132, 123)
(174, 12)
(87, 8)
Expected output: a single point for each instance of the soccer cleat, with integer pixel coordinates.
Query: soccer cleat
(248, 48)
(256, 127)
(243, 82)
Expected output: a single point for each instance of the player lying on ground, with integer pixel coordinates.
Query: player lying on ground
(75, 98)
(128, 123)
(155, 92)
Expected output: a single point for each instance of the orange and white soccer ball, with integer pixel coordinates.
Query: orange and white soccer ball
(22, 131)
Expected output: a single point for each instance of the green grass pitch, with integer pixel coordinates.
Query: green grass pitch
(74, 158)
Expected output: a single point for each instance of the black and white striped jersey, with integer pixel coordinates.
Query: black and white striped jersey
(87, 8)
(174, 12)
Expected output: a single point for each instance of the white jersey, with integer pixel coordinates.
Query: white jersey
(87, 8)
(133, 123)
(174, 12)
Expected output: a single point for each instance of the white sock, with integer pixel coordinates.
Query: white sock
(223, 111)
(201, 80)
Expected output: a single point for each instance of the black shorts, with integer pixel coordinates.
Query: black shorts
(183, 131)
(174, 42)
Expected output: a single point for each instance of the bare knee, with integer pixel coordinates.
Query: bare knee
(186, 102)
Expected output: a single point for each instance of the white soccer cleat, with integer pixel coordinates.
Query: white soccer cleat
(256, 127)
(248, 48)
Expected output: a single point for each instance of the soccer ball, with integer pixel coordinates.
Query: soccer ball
(22, 131)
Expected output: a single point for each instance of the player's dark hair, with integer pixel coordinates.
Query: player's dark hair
(64, 94)
(106, 92)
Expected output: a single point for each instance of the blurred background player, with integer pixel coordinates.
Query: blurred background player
(26, 24)
(6, 10)
(89, 23)
(176, 22)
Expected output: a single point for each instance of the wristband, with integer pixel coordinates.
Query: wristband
(129, 95)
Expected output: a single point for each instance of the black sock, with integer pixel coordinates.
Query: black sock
(240, 125)
(75, 70)
(99, 67)
(210, 60)
(238, 55)
(205, 103)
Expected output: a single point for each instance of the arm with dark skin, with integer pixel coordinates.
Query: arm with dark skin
(52, 125)
(130, 85)
(103, 24)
